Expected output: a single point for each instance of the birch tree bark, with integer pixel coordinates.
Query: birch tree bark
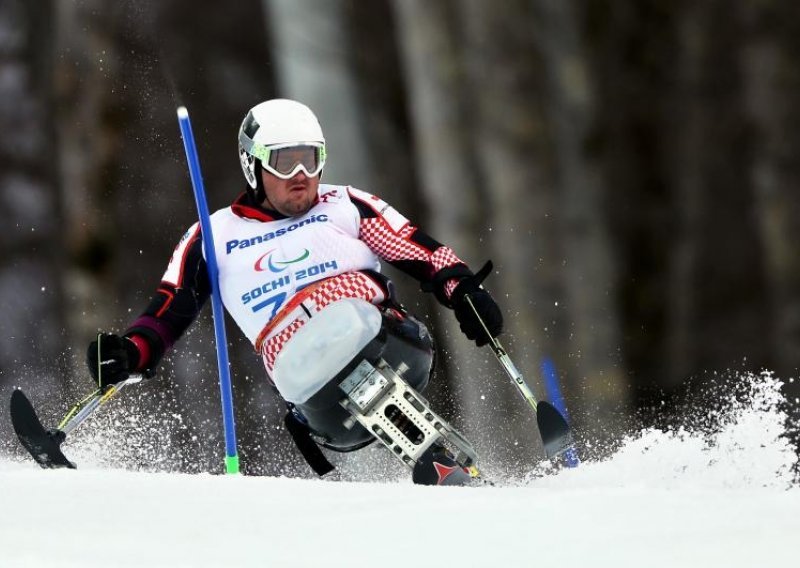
(313, 65)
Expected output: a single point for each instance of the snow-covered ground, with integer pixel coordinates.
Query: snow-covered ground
(675, 499)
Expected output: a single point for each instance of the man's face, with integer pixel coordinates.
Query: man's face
(290, 197)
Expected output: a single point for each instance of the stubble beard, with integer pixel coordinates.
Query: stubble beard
(296, 206)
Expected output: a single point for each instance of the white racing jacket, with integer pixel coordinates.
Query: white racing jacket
(276, 271)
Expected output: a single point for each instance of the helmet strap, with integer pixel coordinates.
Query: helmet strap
(259, 194)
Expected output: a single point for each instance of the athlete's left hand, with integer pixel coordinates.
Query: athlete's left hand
(487, 309)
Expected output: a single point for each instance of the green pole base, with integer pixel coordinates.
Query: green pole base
(232, 464)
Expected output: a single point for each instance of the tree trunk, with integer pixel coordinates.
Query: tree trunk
(589, 356)
(314, 66)
(89, 137)
(719, 290)
(631, 47)
(33, 350)
(773, 81)
(438, 104)
(29, 279)
(514, 152)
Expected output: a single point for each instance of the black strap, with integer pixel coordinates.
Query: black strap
(437, 283)
(308, 447)
(458, 271)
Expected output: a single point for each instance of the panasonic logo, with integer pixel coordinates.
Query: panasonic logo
(235, 244)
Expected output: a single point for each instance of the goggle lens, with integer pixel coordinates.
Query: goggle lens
(287, 162)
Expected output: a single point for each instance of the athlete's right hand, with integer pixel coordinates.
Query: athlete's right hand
(111, 359)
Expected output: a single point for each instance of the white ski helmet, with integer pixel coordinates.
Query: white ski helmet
(276, 123)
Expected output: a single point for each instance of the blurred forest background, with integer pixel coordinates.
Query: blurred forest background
(631, 167)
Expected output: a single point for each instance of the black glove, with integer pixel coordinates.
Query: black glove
(118, 357)
(484, 304)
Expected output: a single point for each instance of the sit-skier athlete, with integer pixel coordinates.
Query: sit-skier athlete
(287, 248)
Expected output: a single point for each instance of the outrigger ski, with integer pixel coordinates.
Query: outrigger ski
(43, 445)
(554, 429)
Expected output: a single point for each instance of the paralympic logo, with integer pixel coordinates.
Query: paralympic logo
(278, 265)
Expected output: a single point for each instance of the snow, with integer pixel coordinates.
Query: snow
(681, 498)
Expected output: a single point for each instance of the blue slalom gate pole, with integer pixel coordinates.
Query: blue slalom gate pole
(226, 391)
(553, 389)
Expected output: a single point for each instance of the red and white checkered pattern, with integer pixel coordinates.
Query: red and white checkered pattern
(274, 344)
(442, 258)
(390, 245)
(348, 285)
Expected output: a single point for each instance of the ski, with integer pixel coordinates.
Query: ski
(554, 429)
(43, 445)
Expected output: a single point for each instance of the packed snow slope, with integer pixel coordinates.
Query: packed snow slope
(677, 499)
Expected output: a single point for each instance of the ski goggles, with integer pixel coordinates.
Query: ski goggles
(285, 162)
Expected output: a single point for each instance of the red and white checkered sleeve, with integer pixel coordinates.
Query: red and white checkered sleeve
(394, 239)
